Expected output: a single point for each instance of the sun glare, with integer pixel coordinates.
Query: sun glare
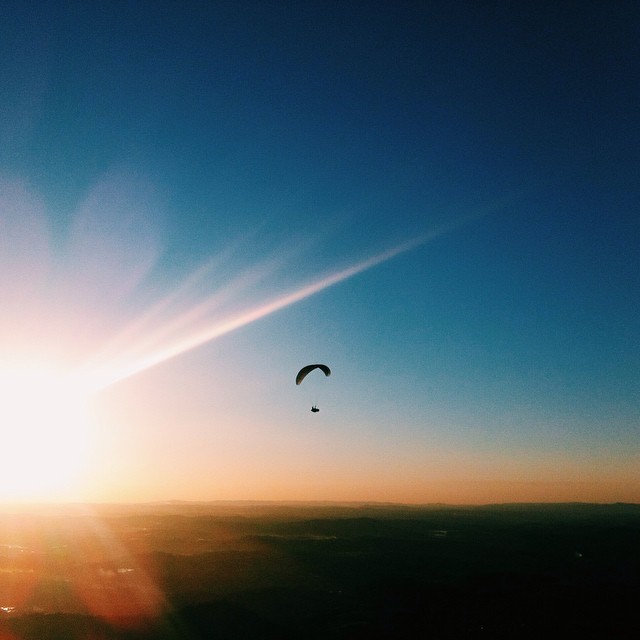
(45, 429)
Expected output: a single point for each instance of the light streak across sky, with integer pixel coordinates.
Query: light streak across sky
(173, 338)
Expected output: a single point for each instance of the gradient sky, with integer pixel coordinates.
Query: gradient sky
(437, 199)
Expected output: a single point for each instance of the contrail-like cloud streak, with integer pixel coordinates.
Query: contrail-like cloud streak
(110, 375)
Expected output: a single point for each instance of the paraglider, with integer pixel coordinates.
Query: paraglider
(302, 374)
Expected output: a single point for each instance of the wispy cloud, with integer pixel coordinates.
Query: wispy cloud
(109, 260)
(173, 339)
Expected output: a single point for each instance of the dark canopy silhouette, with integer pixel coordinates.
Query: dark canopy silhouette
(302, 374)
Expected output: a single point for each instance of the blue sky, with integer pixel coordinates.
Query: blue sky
(155, 155)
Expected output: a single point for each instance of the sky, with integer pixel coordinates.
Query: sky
(439, 200)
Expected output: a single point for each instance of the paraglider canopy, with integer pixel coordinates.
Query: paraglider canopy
(302, 374)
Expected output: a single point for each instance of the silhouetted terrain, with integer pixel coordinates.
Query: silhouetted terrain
(227, 570)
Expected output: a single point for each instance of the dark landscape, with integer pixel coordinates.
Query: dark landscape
(243, 570)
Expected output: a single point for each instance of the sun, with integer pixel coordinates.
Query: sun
(45, 431)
